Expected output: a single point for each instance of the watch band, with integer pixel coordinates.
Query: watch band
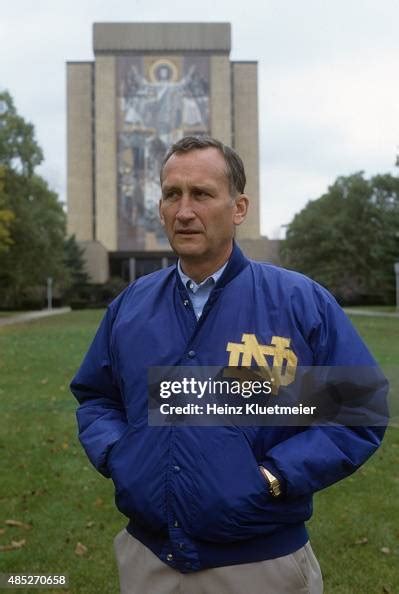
(274, 483)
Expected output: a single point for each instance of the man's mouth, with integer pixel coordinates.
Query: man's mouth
(187, 232)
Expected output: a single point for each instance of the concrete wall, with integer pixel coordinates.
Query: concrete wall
(262, 249)
(96, 261)
(80, 150)
(245, 138)
(106, 174)
(220, 98)
(127, 37)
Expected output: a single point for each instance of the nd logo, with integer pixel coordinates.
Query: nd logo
(284, 361)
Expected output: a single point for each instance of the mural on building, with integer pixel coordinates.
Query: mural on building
(160, 100)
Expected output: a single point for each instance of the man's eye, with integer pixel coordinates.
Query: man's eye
(201, 194)
(172, 195)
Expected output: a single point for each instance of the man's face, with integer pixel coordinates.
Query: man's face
(197, 210)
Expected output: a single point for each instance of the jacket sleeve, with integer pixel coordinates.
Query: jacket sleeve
(101, 414)
(320, 455)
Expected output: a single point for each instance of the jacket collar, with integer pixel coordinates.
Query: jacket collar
(237, 262)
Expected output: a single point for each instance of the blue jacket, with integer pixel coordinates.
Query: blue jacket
(195, 495)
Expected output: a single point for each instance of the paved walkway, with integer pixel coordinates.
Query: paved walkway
(33, 315)
(371, 313)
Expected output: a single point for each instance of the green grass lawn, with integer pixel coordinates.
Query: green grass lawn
(48, 484)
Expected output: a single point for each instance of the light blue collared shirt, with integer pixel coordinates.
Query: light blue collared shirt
(199, 294)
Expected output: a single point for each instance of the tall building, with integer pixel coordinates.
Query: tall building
(149, 85)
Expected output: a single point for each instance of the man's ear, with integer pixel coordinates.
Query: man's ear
(241, 209)
(160, 212)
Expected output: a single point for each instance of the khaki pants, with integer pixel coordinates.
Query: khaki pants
(141, 572)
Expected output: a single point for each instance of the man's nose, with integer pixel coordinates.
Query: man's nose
(185, 211)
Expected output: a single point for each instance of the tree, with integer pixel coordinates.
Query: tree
(37, 234)
(6, 217)
(348, 240)
(19, 150)
(32, 220)
(76, 281)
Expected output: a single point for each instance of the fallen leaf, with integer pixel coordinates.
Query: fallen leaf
(361, 541)
(18, 524)
(44, 381)
(15, 544)
(65, 446)
(385, 550)
(18, 544)
(89, 524)
(80, 549)
(98, 502)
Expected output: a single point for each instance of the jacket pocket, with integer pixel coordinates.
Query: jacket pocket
(232, 501)
(135, 464)
(231, 493)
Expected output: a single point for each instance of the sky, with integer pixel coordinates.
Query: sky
(327, 70)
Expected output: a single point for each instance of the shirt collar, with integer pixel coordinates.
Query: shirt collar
(192, 285)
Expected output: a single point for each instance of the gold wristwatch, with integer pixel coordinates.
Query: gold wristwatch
(274, 483)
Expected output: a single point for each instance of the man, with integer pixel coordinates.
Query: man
(214, 509)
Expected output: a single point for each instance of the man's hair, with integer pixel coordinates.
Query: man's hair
(234, 166)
